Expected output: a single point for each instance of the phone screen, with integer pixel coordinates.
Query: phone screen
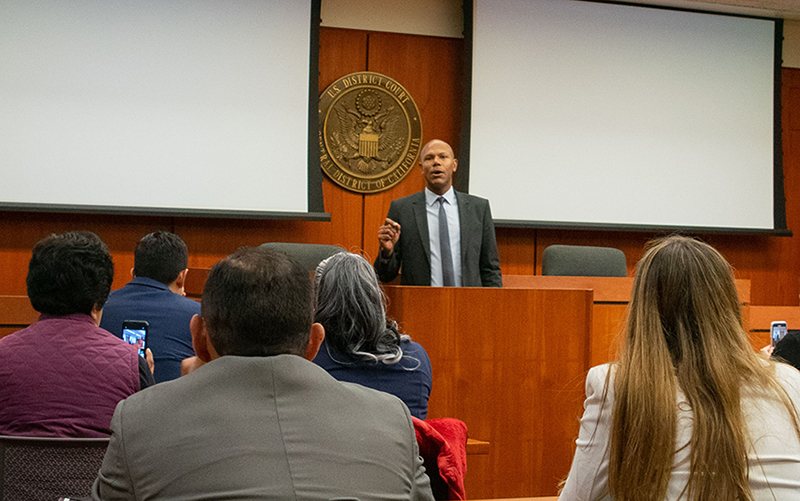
(778, 331)
(135, 334)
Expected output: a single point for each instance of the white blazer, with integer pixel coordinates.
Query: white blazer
(774, 456)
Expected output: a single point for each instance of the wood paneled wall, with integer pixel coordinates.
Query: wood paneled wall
(431, 69)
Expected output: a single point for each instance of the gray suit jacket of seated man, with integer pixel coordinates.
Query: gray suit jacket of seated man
(275, 427)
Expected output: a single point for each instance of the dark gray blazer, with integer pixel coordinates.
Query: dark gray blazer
(480, 262)
(271, 428)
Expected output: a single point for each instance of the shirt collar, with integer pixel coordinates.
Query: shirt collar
(431, 197)
(149, 282)
(79, 317)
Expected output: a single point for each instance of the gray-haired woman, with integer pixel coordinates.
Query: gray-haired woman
(361, 345)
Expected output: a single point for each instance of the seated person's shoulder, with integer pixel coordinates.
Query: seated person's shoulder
(596, 378)
(789, 376)
(410, 346)
(415, 350)
(186, 302)
(357, 394)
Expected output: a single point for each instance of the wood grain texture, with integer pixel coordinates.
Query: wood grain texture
(761, 316)
(16, 313)
(19, 232)
(608, 330)
(510, 363)
(341, 52)
(16, 310)
(477, 446)
(517, 253)
(610, 298)
(606, 289)
(758, 319)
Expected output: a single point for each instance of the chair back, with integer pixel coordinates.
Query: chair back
(583, 261)
(308, 255)
(37, 468)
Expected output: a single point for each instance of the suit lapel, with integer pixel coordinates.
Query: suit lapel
(421, 216)
(464, 223)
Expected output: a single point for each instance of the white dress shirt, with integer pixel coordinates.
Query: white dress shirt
(453, 227)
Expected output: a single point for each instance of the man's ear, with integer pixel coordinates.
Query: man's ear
(455, 164)
(97, 315)
(314, 341)
(181, 280)
(132, 273)
(177, 285)
(200, 341)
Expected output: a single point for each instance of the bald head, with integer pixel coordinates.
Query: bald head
(436, 142)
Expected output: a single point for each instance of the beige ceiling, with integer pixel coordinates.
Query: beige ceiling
(786, 9)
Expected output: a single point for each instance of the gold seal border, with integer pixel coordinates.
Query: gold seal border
(361, 80)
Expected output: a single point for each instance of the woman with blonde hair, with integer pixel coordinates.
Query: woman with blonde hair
(689, 411)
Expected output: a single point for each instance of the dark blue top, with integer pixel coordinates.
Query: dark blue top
(168, 314)
(410, 379)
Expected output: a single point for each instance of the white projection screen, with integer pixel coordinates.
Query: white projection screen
(156, 106)
(587, 114)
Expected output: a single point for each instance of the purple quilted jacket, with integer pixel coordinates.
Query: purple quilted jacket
(63, 377)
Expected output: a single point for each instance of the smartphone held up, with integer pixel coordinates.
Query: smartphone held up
(777, 331)
(135, 332)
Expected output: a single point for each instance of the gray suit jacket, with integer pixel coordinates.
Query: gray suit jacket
(480, 262)
(272, 428)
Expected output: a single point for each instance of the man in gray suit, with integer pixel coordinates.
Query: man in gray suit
(259, 420)
(466, 256)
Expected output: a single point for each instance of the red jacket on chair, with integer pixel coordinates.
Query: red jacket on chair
(443, 446)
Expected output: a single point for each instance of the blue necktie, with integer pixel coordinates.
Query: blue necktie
(448, 277)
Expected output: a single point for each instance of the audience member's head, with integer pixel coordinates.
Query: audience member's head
(684, 333)
(258, 302)
(788, 349)
(70, 273)
(160, 256)
(352, 308)
(684, 299)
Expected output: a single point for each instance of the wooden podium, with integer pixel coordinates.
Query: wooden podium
(511, 363)
(610, 298)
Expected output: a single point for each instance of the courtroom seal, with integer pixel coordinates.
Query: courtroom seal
(370, 132)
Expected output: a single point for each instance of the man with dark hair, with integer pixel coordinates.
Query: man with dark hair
(63, 375)
(259, 420)
(156, 296)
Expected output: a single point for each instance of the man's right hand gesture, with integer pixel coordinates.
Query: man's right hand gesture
(388, 235)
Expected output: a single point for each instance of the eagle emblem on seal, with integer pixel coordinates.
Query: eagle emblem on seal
(369, 132)
(367, 135)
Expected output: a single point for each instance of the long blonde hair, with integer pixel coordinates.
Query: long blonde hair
(684, 331)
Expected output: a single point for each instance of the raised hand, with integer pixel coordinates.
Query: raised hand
(388, 235)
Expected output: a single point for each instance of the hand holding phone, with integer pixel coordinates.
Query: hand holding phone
(135, 332)
(777, 331)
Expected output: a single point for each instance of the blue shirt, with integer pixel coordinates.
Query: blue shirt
(410, 379)
(454, 230)
(168, 335)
